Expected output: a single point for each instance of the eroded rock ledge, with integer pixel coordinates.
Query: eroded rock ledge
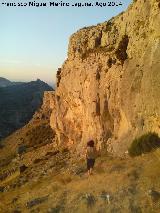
(108, 89)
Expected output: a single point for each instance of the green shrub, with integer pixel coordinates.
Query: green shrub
(145, 143)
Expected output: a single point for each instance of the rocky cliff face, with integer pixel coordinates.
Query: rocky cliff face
(44, 112)
(108, 89)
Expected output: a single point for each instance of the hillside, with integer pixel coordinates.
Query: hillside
(4, 82)
(18, 104)
(37, 176)
(107, 90)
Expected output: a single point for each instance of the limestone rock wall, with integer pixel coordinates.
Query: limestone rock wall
(44, 112)
(108, 89)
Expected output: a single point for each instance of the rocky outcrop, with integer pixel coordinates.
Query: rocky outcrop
(44, 112)
(108, 89)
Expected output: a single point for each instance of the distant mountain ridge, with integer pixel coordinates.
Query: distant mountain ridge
(5, 82)
(18, 103)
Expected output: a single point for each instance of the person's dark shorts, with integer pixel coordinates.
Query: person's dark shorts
(90, 163)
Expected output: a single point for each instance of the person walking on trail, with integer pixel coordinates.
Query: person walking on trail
(90, 156)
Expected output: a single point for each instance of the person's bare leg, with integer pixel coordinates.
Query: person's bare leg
(90, 171)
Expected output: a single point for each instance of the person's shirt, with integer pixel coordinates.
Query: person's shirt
(90, 153)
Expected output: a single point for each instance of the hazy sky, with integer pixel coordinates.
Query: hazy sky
(34, 41)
